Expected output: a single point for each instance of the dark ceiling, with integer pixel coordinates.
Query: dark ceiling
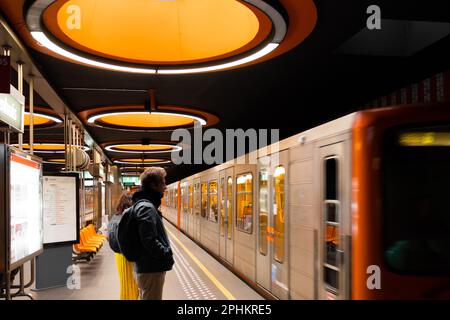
(300, 89)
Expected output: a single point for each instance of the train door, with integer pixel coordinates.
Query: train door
(190, 204)
(334, 243)
(272, 265)
(183, 206)
(203, 206)
(181, 210)
(226, 214)
(197, 202)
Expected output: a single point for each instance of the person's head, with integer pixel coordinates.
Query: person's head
(125, 202)
(154, 178)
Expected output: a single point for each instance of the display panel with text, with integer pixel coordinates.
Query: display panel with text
(61, 209)
(26, 220)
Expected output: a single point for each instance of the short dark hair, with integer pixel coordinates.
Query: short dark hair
(125, 202)
(152, 176)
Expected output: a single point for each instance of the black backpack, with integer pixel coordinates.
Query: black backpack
(128, 234)
(113, 226)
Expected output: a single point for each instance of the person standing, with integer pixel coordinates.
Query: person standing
(128, 286)
(155, 255)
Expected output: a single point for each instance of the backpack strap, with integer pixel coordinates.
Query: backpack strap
(142, 201)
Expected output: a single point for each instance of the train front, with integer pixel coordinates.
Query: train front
(400, 204)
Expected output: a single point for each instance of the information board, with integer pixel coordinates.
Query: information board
(26, 215)
(61, 208)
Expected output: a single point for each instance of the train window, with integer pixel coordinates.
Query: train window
(169, 199)
(213, 205)
(331, 231)
(331, 179)
(175, 198)
(331, 211)
(230, 206)
(182, 197)
(197, 198)
(191, 198)
(263, 210)
(415, 173)
(204, 199)
(244, 202)
(222, 207)
(279, 212)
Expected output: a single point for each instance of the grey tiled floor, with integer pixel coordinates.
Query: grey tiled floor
(100, 279)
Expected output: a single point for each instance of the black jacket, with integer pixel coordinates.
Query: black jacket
(156, 253)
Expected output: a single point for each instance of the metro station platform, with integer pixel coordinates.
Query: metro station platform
(196, 275)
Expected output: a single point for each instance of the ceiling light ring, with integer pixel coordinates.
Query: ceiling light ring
(171, 148)
(45, 115)
(118, 161)
(55, 162)
(34, 20)
(50, 151)
(94, 120)
(54, 121)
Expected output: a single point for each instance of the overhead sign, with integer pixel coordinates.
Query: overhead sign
(12, 107)
(5, 73)
(130, 181)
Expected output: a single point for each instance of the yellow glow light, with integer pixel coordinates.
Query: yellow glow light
(142, 119)
(47, 147)
(40, 119)
(137, 161)
(425, 139)
(139, 148)
(209, 28)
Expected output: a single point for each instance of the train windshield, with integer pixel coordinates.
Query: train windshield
(416, 201)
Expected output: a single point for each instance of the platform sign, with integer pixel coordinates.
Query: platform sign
(130, 181)
(5, 73)
(12, 107)
(61, 208)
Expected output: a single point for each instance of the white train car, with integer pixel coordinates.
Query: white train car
(305, 222)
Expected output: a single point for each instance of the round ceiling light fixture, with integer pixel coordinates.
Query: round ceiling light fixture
(41, 119)
(45, 147)
(146, 161)
(59, 161)
(217, 35)
(137, 148)
(141, 118)
(146, 119)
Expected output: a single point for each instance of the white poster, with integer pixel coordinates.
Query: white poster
(26, 207)
(60, 209)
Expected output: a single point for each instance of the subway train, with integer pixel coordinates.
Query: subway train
(355, 208)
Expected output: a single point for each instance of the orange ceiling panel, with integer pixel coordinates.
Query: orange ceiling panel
(157, 31)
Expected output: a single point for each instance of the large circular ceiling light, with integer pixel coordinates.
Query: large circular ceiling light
(47, 147)
(143, 119)
(58, 161)
(146, 161)
(41, 119)
(139, 118)
(143, 148)
(158, 37)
